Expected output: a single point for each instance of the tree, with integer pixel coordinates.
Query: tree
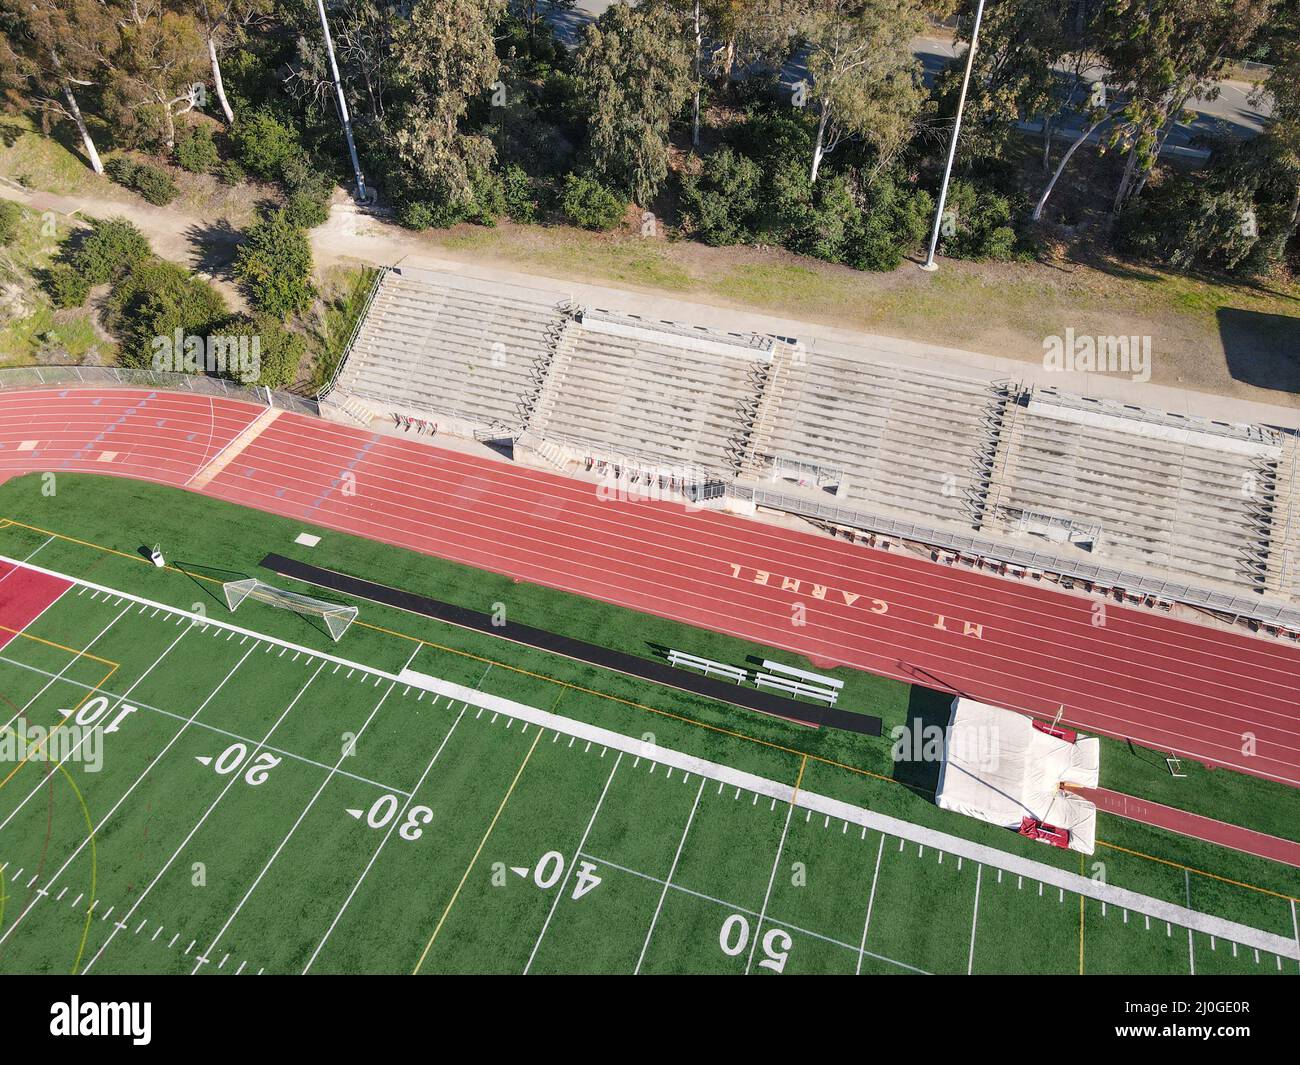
(274, 265)
(1176, 50)
(225, 23)
(1283, 88)
(157, 72)
(865, 79)
(51, 48)
(363, 33)
(1014, 79)
(443, 57)
(635, 77)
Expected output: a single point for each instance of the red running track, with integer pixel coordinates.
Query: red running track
(1247, 840)
(1223, 698)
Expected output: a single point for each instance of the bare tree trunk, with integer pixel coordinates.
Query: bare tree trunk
(1060, 167)
(1125, 183)
(1047, 143)
(216, 80)
(91, 153)
(818, 150)
(170, 118)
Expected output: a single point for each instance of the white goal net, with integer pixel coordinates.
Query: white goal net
(337, 617)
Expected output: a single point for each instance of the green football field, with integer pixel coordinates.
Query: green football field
(266, 800)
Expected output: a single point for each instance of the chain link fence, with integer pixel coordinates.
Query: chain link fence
(117, 377)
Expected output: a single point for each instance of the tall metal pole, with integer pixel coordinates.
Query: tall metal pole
(344, 117)
(929, 263)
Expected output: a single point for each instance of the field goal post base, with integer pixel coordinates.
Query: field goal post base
(337, 618)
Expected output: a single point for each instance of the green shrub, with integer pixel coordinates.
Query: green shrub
(229, 172)
(113, 247)
(274, 265)
(977, 224)
(66, 285)
(280, 350)
(308, 192)
(519, 193)
(489, 199)
(721, 201)
(895, 220)
(196, 151)
(154, 299)
(264, 145)
(152, 183)
(10, 215)
(587, 203)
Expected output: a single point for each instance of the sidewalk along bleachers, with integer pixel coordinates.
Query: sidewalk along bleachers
(905, 439)
(459, 346)
(676, 396)
(1196, 505)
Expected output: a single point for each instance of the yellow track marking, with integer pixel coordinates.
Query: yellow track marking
(481, 843)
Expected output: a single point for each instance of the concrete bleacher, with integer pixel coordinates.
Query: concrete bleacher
(849, 437)
(886, 436)
(671, 395)
(1194, 500)
(468, 350)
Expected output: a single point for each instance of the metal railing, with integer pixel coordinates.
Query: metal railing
(119, 377)
(1252, 607)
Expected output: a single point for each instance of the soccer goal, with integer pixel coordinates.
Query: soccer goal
(337, 618)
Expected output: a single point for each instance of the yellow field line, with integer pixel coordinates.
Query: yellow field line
(59, 646)
(628, 702)
(1199, 872)
(481, 843)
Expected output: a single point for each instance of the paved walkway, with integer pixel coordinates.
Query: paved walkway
(1194, 825)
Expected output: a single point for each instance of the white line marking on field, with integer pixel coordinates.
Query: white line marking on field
(767, 895)
(974, 921)
(305, 811)
(671, 871)
(732, 907)
(568, 869)
(206, 814)
(50, 883)
(66, 666)
(374, 857)
(871, 901)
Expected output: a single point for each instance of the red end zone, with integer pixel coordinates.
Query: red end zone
(24, 595)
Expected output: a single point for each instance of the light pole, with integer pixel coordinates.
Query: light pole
(344, 117)
(929, 263)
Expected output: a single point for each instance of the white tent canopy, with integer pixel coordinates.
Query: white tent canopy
(999, 768)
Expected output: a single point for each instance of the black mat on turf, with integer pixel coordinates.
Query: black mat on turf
(622, 662)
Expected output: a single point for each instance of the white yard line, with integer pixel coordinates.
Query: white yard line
(974, 921)
(76, 657)
(190, 835)
(568, 870)
(732, 907)
(671, 873)
(204, 956)
(383, 842)
(104, 820)
(767, 895)
(217, 730)
(871, 901)
(77, 746)
(1015, 864)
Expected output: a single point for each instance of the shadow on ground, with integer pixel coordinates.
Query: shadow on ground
(1261, 349)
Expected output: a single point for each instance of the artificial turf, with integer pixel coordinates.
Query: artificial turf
(208, 541)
